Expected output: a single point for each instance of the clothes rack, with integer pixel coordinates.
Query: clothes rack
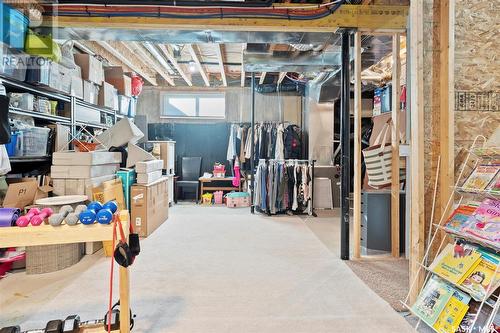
(281, 189)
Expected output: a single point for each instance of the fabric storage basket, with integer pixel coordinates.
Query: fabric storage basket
(378, 159)
(51, 258)
(237, 199)
(34, 141)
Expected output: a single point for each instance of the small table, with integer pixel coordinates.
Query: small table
(218, 188)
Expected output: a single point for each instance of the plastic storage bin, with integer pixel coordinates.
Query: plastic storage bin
(12, 145)
(38, 71)
(238, 199)
(35, 141)
(218, 195)
(15, 26)
(13, 63)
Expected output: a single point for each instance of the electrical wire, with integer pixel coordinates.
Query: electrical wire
(182, 13)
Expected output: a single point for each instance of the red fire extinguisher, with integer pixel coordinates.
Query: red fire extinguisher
(137, 84)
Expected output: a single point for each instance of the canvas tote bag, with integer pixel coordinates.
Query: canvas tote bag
(378, 159)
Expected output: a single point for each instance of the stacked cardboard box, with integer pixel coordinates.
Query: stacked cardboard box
(149, 206)
(148, 171)
(76, 173)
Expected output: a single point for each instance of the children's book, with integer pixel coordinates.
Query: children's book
(485, 221)
(482, 316)
(453, 313)
(459, 217)
(455, 261)
(482, 281)
(494, 185)
(480, 177)
(432, 299)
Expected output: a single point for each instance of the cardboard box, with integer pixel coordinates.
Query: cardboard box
(117, 77)
(148, 166)
(91, 68)
(128, 179)
(90, 92)
(98, 157)
(148, 178)
(137, 154)
(62, 186)
(149, 206)
(111, 190)
(165, 150)
(83, 171)
(120, 134)
(76, 87)
(24, 192)
(107, 96)
(62, 137)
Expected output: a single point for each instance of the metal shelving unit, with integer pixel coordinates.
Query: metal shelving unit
(74, 103)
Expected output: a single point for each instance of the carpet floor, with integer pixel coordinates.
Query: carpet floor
(212, 269)
(386, 277)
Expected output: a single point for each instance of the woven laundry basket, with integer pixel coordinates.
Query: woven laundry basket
(51, 258)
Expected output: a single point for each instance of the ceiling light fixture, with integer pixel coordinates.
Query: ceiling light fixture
(192, 67)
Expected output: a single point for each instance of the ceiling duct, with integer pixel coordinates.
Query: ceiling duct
(374, 48)
(163, 36)
(292, 62)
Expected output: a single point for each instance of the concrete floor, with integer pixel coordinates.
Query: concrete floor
(214, 269)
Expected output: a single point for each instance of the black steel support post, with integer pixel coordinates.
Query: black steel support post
(345, 130)
(252, 161)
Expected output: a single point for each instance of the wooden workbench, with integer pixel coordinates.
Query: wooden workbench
(64, 234)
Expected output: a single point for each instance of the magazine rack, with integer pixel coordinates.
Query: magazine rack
(478, 153)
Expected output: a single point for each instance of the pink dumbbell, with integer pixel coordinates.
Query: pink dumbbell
(38, 219)
(23, 221)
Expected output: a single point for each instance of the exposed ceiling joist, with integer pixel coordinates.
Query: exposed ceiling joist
(126, 61)
(146, 56)
(262, 77)
(220, 58)
(194, 56)
(156, 54)
(243, 74)
(281, 77)
(174, 63)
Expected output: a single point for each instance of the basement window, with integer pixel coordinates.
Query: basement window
(194, 106)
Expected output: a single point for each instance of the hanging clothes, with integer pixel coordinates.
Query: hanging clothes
(282, 186)
(279, 152)
(231, 147)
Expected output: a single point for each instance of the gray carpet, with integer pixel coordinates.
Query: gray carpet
(213, 269)
(387, 277)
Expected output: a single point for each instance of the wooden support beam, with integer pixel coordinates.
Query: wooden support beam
(357, 146)
(243, 74)
(396, 111)
(281, 77)
(126, 61)
(446, 112)
(354, 16)
(194, 56)
(220, 58)
(262, 77)
(417, 223)
(138, 49)
(167, 52)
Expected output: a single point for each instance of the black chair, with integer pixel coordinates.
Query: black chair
(190, 174)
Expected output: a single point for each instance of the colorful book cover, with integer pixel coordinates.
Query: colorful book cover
(459, 217)
(432, 300)
(485, 221)
(480, 177)
(450, 318)
(470, 317)
(455, 261)
(494, 186)
(482, 280)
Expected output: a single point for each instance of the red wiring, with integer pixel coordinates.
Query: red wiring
(161, 10)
